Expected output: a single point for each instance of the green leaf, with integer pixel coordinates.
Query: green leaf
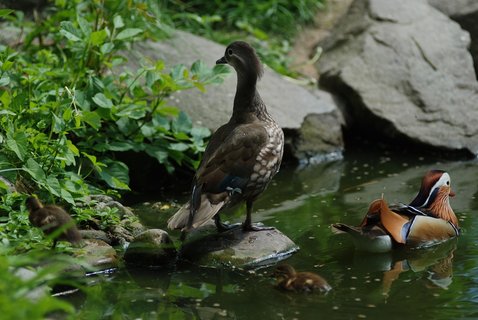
(178, 146)
(120, 146)
(91, 118)
(4, 81)
(200, 132)
(72, 148)
(69, 31)
(182, 123)
(107, 47)
(132, 111)
(128, 33)
(118, 22)
(58, 124)
(98, 37)
(3, 185)
(84, 25)
(115, 174)
(5, 12)
(17, 143)
(6, 99)
(66, 195)
(35, 171)
(102, 101)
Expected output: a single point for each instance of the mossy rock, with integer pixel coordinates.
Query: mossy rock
(236, 248)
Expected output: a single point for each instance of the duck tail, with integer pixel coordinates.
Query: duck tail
(184, 220)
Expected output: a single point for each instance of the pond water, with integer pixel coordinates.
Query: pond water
(436, 283)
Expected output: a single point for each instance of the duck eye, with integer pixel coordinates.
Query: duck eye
(448, 183)
(229, 52)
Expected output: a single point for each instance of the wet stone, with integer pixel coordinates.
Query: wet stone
(98, 254)
(236, 248)
(152, 247)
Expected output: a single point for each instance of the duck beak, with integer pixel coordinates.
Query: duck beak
(222, 61)
(452, 194)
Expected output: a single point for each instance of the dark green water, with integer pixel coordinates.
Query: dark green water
(437, 283)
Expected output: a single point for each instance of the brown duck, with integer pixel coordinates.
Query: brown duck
(290, 280)
(50, 218)
(242, 156)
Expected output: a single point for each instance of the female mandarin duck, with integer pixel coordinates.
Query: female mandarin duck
(289, 279)
(242, 155)
(50, 218)
(427, 220)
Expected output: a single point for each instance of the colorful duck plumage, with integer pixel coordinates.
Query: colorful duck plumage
(290, 280)
(242, 155)
(427, 220)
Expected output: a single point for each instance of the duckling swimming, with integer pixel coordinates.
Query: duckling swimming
(290, 280)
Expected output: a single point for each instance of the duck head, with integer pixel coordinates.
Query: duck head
(433, 183)
(243, 58)
(434, 196)
(284, 271)
(32, 203)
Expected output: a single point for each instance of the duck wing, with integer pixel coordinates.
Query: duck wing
(222, 177)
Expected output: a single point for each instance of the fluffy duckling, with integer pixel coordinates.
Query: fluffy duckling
(427, 220)
(242, 155)
(290, 280)
(50, 218)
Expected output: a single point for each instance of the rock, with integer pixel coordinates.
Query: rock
(236, 248)
(405, 73)
(152, 247)
(26, 275)
(95, 234)
(98, 254)
(465, 12)
(288, 103)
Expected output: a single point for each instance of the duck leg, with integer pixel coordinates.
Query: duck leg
(221, 226)
(247, 225)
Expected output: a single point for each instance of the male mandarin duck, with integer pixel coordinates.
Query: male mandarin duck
(427, 220)
(50, 218)
(242, 155)
(289, 279)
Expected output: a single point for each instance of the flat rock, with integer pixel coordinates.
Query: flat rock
(405, 72)
(236, 248)
(288, 102)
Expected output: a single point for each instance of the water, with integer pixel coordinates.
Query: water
(437, 283)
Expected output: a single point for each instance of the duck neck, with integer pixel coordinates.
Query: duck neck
(441, 208)
(247, 101)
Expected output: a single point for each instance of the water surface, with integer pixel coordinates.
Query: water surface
(436, 283)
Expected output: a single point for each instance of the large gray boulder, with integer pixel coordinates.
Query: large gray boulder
(405, 72)
(289, 103)
(465, 12)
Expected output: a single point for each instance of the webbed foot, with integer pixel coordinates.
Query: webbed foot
(255, 227)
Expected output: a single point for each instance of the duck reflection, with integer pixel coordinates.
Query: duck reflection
(435, 264)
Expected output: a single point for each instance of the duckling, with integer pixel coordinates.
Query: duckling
(290, 280)
(427, 220)
(242, 155)
(50, 218)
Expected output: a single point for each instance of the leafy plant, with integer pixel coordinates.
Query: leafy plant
(67, 109)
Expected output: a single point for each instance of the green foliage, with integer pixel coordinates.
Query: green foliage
(68, 105)
(269, 24)
(28, 296)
